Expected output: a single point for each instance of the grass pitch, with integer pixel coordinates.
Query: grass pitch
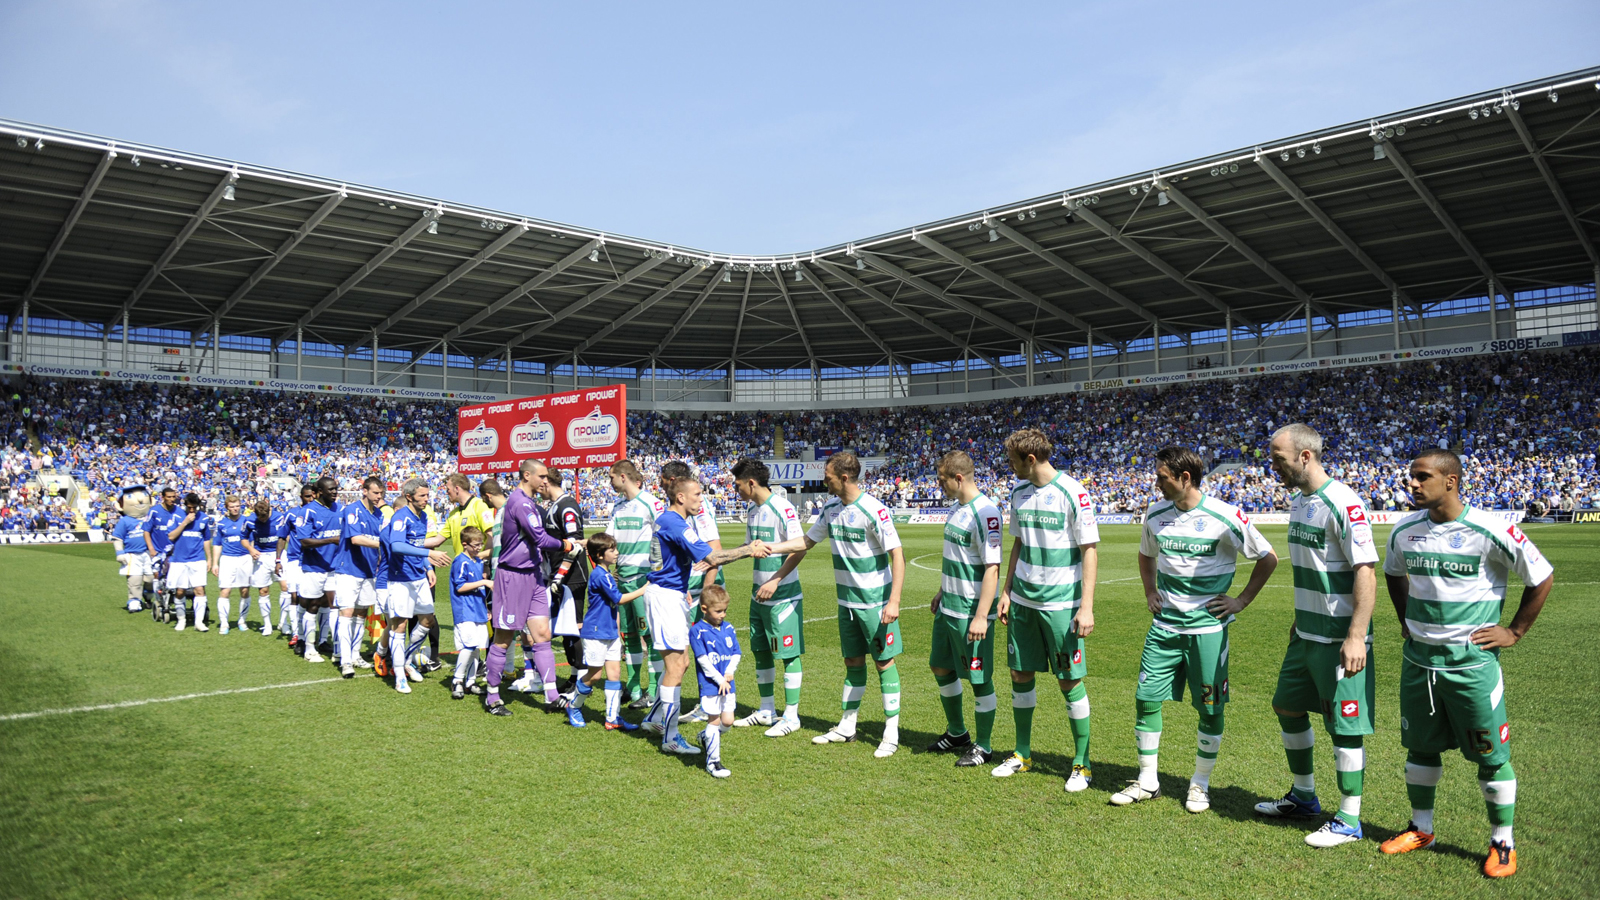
(349, 790)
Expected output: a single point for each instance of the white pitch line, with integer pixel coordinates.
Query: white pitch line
(131, 703)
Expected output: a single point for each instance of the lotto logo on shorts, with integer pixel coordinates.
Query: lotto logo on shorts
(1350, 709)
(890, 639)
(1077, 657)
(1505, 732)
(976, 664)
(788, 640)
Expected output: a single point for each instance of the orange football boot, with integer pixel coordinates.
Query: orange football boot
(1502, 861)
(1407, 841)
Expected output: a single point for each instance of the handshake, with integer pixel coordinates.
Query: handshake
(754, 550)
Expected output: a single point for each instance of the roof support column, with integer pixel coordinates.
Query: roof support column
(444, 365)
(374, 360)
(1394, 306)
(1155, 329)
(1027, 350)
(1494, 314)
(733, 384)
(124, 339)
(1597, 294)
(1309, 352)
(299, 348)
(508, 372)
(216, 346)
(23, 355)
(1227, 323)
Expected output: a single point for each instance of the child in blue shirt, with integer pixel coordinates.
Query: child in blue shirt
(469, 591)
(602, 643)
(715, 646)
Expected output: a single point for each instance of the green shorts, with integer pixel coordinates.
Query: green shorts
(1171, 660)
(1040, 640)
(862, 633)
(1446, 710)
(1310, 682)
(777, 630)
(631, 613)
(951, 650)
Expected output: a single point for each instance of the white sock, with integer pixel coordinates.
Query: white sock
(847, 722)
(1422, 819)
(1148, 741)
(353, 635)
(472, 670)
(1501, 834)
(791, 682)
(397, 653)
(266, 609)
(296, 618)
(199, 608)
(669, 698)
(1210, 743)
(613, 702)
(308, 628)
(713, 742)
(769, 703)
(891, 729)
(463, 663)
(224, 609)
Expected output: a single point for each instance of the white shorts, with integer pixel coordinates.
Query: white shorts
(409, 599)
(290, 578)
(597, 653)
(311, 585)
(350, 592)
(138, 563)
(261, 572)
(471, 635)
(668, 618)
(714, 704)
(184, 576)
(234, 571)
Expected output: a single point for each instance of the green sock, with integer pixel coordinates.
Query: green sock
(1499, 784)
(657, 664)
(633, 650)
(1147, 726)
(983, 706)
(792, 671)
(1078, 718)
(889, 684)
(764, 679)
(1351, 767)
(950, 699)
(855, 684)
(1208, 741)
(1298, 741)
(1023, 701)
(1423, 771)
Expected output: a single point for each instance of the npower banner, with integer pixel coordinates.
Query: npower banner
(571, 430)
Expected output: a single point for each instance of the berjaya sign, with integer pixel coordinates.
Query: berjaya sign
(573, 429)
(255, 384)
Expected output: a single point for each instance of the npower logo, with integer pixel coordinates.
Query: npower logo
(594, 430)
(533, 436)
(480, 441)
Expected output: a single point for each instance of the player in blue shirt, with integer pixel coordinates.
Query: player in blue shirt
(294, 527)
(193, 553)
(666, 601)
(411, 559)
(319, 534)
(133, 553)
(158, 523)
(236, 541)
(269, 527)
(715, 645)
(361, 555)
(602, 641)
(469, 609)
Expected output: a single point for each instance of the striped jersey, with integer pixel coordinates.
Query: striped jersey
(633, 524)
(703, 525)
(861, 535)
(1053, 523)
(1329, 536)
(772, 522)
(1196, 554)
(1456, 572)
(971, 544)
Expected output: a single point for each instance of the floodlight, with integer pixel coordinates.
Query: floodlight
(993, 235)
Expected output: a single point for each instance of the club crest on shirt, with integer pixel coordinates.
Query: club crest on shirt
(1456, 541)
(1199, 526)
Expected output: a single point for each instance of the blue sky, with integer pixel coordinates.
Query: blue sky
(746, 127)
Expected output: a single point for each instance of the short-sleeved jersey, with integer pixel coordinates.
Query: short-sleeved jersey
(357, 520)
(474, 513)
(1329, 536)
(717, 644)
(971, 544)
(1196, 554)
(1456, 573)
(861, 535)
(294, 529)
(680, 550)
(191, 544)
(232, 533)
(130, 531)
(600, 618)
(158, 525)
(266, 539)
(465, 606)
(1054, 523)
(406, 527)
(773, 521)
(633, 524)
(319, 522)
(705, 521)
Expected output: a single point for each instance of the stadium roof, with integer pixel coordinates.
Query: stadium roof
(1429, 204)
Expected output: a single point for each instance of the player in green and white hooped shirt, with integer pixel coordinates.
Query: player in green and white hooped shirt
(963, 611)
(1047, 597)
(633, 524)
(1328, 665)
(776, 604)
(869, 569)
(1188, 555)
(1446, 570)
